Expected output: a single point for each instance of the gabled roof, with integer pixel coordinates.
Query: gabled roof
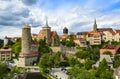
(117, 31)
(104, 29)
(94, 34)
(109, 47)
(40, 35)
(53, 34)
(6, 50)
(82, 33)
(107, 58)
(63, 36)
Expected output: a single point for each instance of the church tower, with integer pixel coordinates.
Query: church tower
(47, 33)
(65, 30)
(95, 26)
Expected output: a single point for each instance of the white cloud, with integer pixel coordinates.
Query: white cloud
(10, 32)
(14, 14)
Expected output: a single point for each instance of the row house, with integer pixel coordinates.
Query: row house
(108, 36)
(98, 34)
(82, 35)
(94, 38)
(117, 35)
(111, 36)
(80, 42)
(5, 54)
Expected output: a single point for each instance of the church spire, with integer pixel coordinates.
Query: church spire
(95, 21)
(46, 22)
(95, 26)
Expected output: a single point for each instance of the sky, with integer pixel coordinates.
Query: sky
(76, 15)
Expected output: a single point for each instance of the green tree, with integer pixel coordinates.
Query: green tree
(82, 54)
(44, 61)
(43, 47)
(51, 61)
(94, 53)
(63, 42)
(64, 63)
(16, 48)
(48, 61)
(3, 70)
(1, 43)
(74, 72)
(54, 59)
(106, 74)
(68, 43)
(102, 66)
(88, 63)
(115, 43)
(74, 61)
(80, 73)
(117, 61)
(57, 58)
(10, 43)
(14, 71)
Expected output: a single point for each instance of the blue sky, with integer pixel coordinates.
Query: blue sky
(77, 15)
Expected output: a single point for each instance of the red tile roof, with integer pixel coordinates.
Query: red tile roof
(111, 47)
(53, 33)
(117, 31)
(113, 33)
(94, 34)
(40, 35)
(82, 33)
(6, 50)
(63, 36)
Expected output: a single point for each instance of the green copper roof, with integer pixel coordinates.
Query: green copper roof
(46, 22)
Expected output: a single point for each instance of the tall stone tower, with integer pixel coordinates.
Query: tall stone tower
(28, 55)
(26, 39)
(65, 30)
(47, 33)
(95, 26)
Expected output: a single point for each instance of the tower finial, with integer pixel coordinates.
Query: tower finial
(46, 21)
